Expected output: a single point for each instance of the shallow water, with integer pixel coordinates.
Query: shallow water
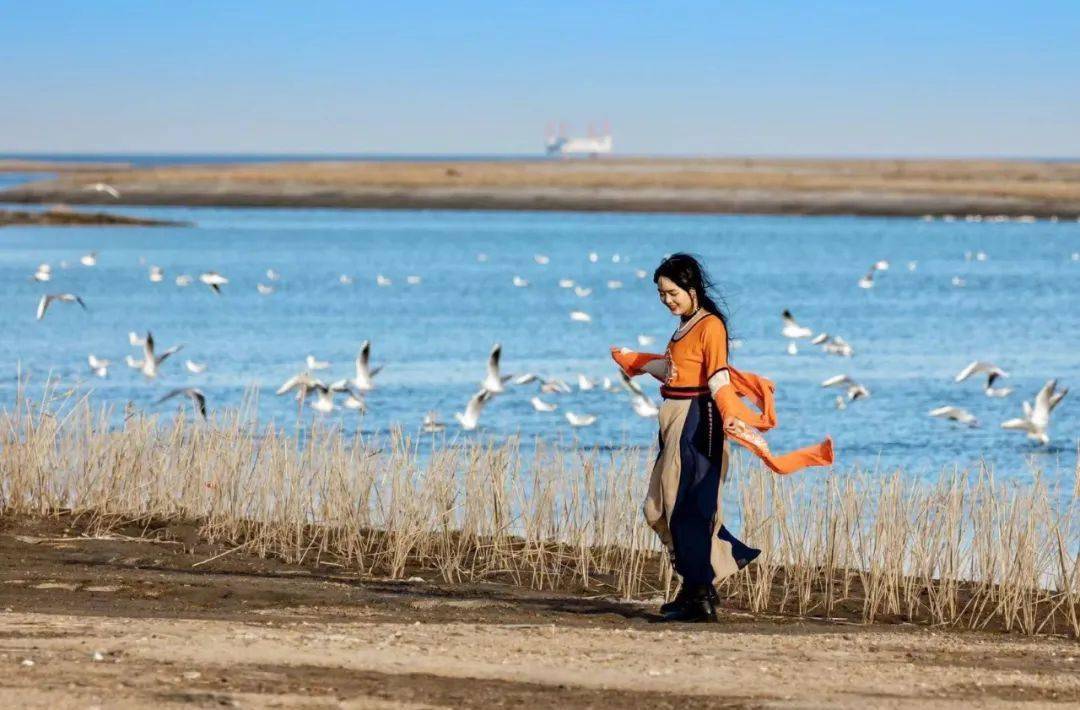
(911, 333)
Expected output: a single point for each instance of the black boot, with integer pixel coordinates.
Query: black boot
(681, 598)
(697, 608)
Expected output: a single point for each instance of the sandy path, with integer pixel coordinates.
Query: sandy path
(319, 663)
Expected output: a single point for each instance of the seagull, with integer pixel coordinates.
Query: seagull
(264, 289)
(383, 281)
(99, 366)
(184, 280)
(47, 299)
(520, 282)
(840, 403)
(833, 345)
(157, 274)
(193, 367)
(616, 258)
(956, 414)
(1036, 419)
(912, 265)
(471, 416)
(196, 396)
(958, 282)
(566, 283)
(135, 340)
(580, 317)
(614, 284)
(150, 361)
(314, 364)
(324, 398)
(493, 381)
(792, 329)
(104, 187)
(43, 273)
(645, 340)
(542, 259)
(413, 280)
(133, 363)
(792, 348)
(854, 389)
(302, 382)
(272, 275)
(526, 378)
(979, 367)
(364, 374)
(582, 292)
(641, 273)
(431, 424)
(345, 280)
(542, 406)
(868, 280)
(355, 400)
(642, 405)
(580, 420)
(89, 259)
(584, 383)
(594, 257)
(554, 386)
(214, 280)
(993, 373)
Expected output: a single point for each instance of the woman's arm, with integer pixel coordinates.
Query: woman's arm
(634, 364)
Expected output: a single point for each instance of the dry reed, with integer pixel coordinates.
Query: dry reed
(965, 550)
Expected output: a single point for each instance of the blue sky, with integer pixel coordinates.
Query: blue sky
(771, 77)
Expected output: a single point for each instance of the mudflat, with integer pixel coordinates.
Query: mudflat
(117, 620)
(70, 218)
(765, 186)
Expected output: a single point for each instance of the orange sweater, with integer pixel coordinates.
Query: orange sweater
(697, 364)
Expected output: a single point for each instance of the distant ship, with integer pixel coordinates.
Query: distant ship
(558, 143)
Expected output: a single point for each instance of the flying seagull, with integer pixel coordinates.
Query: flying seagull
(580, 420)
(214, 280)
(992, 372)
(642, 405)
(792, 329)
(364, 372)
(106, 188)
(47, 299)
(493, 381)
(1036, 419)
(471, 416)
(542, 406)
(150, 362)
(99, 366)
(956, 414)
(196, 368)
(196, 396)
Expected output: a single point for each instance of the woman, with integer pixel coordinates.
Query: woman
(702, 409)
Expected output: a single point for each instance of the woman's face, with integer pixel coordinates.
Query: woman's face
(679, 301)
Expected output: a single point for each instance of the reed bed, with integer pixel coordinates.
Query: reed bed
(964, 550)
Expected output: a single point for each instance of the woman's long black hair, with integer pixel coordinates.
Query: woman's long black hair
(688, 273)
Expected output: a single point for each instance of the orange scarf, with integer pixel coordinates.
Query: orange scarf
(742, 423)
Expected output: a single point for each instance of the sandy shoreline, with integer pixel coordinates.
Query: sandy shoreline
(798, 187)
(120, 620)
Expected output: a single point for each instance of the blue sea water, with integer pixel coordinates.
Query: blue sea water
(911, 333)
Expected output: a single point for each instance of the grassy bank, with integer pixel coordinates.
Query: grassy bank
(965, 550)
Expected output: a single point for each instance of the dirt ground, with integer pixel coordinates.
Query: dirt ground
(130, 623)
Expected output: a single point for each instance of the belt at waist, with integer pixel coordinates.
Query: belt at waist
(683, 392)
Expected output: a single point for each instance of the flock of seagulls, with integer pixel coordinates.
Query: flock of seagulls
(323, 395)
(1035, 420)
